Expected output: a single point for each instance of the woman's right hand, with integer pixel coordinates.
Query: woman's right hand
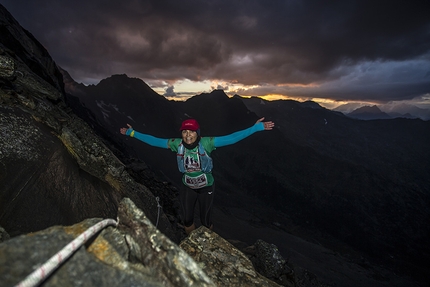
(124, 130)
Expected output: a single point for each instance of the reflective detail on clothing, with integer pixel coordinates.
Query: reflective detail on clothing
(193, 160)
(207, 143)
(196, 182)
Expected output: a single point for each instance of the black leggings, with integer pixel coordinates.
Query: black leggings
(188, 198)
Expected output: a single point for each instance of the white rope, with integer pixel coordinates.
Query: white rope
(46, 269)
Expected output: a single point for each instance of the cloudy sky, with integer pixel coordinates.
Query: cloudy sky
(371, 51)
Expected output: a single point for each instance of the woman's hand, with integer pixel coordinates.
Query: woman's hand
(124, 130)
(267, 125)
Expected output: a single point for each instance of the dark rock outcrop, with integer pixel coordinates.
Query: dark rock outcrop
(54, 168)
(133, 254)
(226, 265)
(269, 262)
(3, 235)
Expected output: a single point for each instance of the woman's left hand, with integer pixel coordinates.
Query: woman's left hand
(267, 125)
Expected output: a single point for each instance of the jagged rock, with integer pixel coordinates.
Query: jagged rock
(41, 184)
(54, 169)
(269, 262)
(35, 65)
(133, 254)
(221, 261)
(7, 67)
(3, 235)
(22, 254)
(148, 244)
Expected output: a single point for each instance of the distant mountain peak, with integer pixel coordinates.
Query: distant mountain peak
(369, 113)
(311, 104)
(215, 95)
(218, 93)
(367, 109)
(120, 78)
(394, 110)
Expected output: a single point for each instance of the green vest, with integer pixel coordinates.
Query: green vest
(193, 176)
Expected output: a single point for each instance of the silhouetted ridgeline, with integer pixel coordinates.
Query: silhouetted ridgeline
(360, 183)
(384, 111)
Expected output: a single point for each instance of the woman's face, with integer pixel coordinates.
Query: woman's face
(189, 137)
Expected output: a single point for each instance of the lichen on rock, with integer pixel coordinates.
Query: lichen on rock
(223, 263)
(18, 137)
(7, 66)
(133, 254)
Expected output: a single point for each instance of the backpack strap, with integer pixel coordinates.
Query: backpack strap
(180, 157)
(205, 160)
(206, 163)
(202, 151)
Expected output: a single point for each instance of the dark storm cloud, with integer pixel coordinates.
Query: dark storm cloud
(170, 92)
(266, 43)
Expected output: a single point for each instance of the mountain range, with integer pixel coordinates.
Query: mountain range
(359, 187)
(383, 111)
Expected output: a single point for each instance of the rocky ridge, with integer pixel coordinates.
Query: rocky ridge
(134, 253)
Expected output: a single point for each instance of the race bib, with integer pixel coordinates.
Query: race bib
(196, 182)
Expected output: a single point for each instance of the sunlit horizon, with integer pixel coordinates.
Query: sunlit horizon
(325, 103)
(183, 90)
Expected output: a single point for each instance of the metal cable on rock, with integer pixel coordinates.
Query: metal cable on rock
(159, 208)
(46, 269)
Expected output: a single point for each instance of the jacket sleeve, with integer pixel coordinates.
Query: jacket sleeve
(237, 136)
(148, 139)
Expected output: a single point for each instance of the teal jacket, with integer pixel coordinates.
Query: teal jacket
(196, 164)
